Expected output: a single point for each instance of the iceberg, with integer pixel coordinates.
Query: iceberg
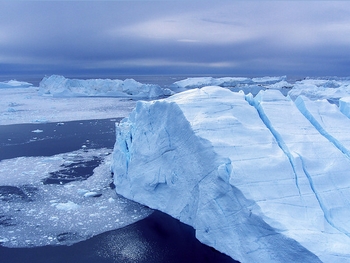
(14, 84)
(233, 83)
(261, 179)
(59, 86)
(332, 89)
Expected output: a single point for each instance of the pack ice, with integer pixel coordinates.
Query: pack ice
(44, 203)
(262, 179)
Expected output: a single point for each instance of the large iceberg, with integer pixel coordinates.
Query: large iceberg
(329, 88)
(14, 84)
(248, 85)
(59, 86)
(262, 179)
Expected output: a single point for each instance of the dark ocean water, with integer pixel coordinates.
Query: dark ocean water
(157, 238)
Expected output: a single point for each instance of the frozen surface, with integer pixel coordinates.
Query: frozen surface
(257, 179)
(59, 86)
(24, 105)
(329, 120)
(35, 211)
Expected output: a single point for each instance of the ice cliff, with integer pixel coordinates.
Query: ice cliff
(262, 179)
(59, 86)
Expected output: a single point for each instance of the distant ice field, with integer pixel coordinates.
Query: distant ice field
(24, 105)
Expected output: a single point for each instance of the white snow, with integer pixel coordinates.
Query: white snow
(59, 86)
(260, 179)
(44, 213)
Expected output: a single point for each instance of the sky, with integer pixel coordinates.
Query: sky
(98, 39)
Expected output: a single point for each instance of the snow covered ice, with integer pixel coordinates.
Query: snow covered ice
(262, 179)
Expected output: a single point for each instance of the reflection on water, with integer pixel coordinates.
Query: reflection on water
(155, 239)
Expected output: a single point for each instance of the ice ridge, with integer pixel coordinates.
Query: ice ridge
(59, 86)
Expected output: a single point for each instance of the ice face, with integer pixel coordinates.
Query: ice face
(344, 106)
(256, 177)
(35, 211)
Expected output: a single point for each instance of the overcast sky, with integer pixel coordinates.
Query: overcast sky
(235, 38)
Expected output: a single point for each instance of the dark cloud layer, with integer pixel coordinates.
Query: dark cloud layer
(107, 39)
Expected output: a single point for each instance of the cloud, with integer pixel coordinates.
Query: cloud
(251, 37)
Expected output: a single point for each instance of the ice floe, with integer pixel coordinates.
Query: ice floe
(38, 212)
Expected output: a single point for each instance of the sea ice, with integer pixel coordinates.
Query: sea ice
(37, 131)
(34, 213)
(24, 105)
(253, 176)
